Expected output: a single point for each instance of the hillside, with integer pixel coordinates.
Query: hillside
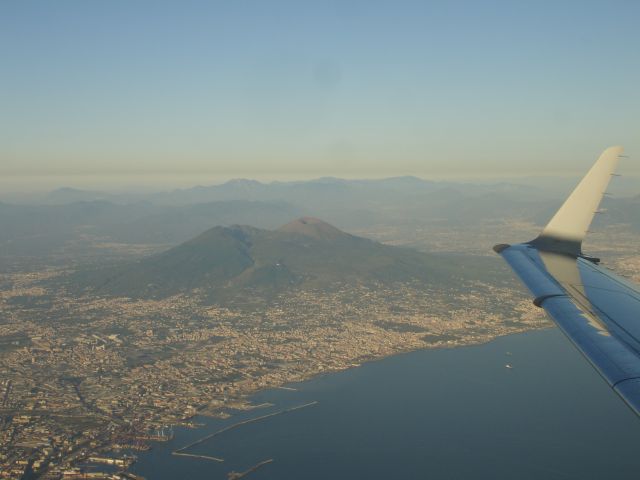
(225, 261)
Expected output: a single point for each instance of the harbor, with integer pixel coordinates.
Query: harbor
(397, 418)
(182, 451)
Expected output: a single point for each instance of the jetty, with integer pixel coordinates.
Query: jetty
(193, 455)
(237, 475)
(180, 451)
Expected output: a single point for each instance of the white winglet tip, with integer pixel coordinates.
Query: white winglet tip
(568, 227)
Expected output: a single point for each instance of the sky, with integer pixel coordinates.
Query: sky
(298, 89)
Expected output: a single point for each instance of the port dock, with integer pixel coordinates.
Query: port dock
(182, 450)
(237, 475)
(201, 457)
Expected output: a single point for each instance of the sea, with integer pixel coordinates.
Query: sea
(524, 406)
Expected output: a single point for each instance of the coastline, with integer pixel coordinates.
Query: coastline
(246, 406)
(242, 405)
(379, 417)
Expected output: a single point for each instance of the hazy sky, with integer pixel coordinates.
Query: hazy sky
(301, 88)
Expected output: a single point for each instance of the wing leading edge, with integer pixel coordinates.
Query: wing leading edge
(596, 309)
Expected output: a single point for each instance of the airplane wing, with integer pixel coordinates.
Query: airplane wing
(596, 309)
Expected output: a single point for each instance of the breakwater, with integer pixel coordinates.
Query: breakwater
(182, 450)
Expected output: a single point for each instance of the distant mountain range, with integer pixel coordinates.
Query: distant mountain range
(306, 253)
(299, 192)
(45, 229)
(67, 218)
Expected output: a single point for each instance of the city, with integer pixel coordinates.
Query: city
(96, 376)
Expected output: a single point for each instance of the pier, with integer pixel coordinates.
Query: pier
(236, 475)
(193, 455)
(180, 451)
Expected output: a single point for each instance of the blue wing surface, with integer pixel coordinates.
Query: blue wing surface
(596, 309)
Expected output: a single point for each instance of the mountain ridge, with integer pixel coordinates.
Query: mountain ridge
(226, 261)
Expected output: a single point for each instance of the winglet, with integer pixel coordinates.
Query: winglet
(568, 227)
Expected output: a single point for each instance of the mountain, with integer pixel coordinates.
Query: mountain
(306, 253)
(46, 229)
(315, 229)
(401, 203)
(309, 192)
